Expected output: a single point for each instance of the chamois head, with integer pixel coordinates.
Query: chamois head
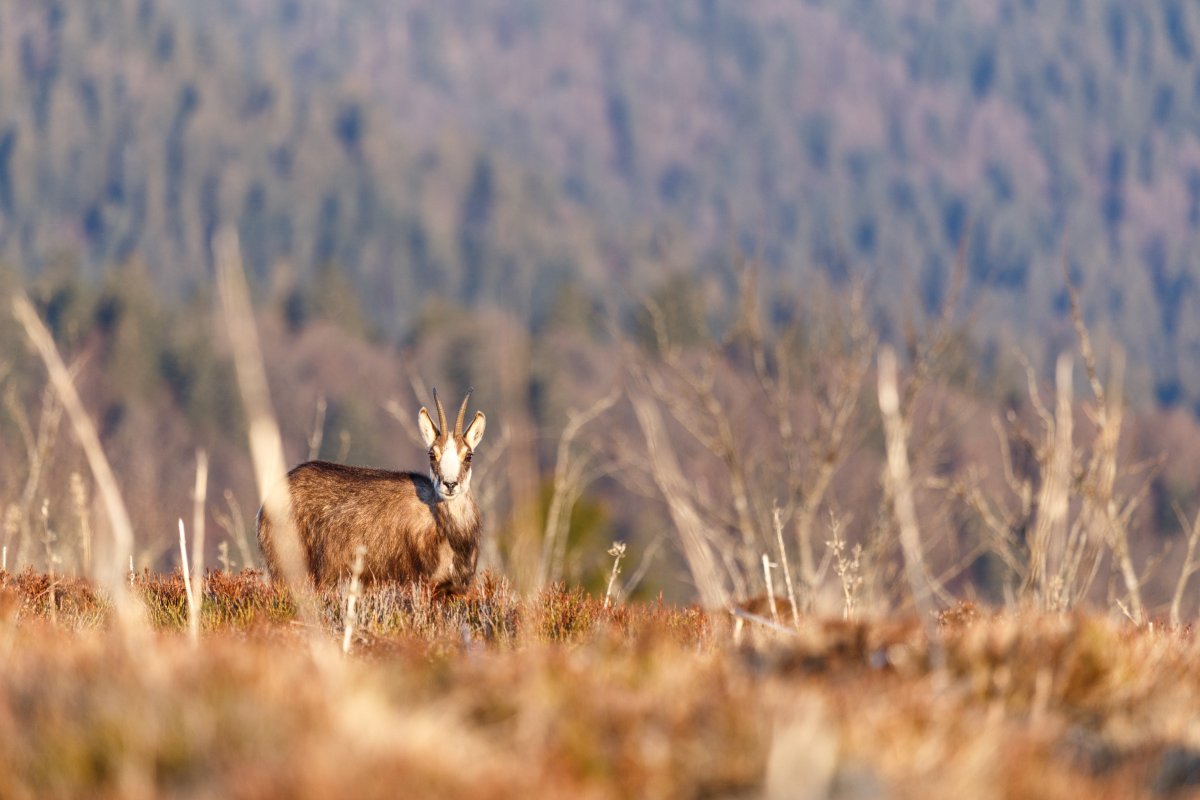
(450, 451)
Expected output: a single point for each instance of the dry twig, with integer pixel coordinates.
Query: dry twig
(121, 529)
(900, 483)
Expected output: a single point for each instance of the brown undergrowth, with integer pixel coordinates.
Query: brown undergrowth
(497, 695)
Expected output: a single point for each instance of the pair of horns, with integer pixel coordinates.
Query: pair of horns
(462, 413)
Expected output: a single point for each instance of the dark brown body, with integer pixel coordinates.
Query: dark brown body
(410, 535)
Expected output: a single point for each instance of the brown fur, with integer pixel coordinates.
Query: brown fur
(410, 535)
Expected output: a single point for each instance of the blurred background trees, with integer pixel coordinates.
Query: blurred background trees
(545, 200)
(491, 153)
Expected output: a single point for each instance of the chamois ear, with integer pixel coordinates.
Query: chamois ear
(474, 432)
(429, 431)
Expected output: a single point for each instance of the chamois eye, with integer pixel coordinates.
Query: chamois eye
(467, 459)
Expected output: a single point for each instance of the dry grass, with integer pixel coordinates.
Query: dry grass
(492, 695)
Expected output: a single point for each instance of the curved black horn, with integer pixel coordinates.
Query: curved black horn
(441, 413)
(462, 414)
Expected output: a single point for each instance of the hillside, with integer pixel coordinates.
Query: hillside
(494, 153)
(666, 246)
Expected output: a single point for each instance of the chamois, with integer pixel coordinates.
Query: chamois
(414, 527)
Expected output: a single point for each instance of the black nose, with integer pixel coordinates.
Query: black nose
(450, 485)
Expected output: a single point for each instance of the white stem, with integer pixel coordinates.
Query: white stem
(266, 444)
(318, 431)
(612, 579)
(193, 620)
(120, 528)
(770, 587)
(360, 554)
(198, 498)
(787, 572)
(904, 507)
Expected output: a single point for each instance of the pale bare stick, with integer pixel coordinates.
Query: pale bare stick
(902, 498)
(318, 431)
(766, 562)
(741, 615)
(110, 574)
(80, 499)
(565, 483)
(48, 538)
(37, 447)
(638, 574)
(266, 444)
(199, 496)
(234, 525)
(617, 551)
(1190, 566)
(193, 616)
(783, 561)
(356, 570)
(699, 550)
(1048, 539)
(1102, 471)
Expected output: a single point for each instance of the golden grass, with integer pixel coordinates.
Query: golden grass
(492, 695)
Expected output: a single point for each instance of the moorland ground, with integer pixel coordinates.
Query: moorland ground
(558, 694)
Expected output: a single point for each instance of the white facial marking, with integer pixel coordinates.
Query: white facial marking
(450, 469)
(450, 464)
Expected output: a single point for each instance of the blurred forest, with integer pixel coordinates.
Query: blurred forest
(497, 153)
(547, 199)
